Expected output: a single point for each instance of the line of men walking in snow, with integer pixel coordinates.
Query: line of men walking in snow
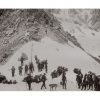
(28, 68)
(85, 82)
(29, 79)
(89, 81)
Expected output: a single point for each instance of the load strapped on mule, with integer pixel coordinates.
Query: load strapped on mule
(2, 78)
(58, 72)
(61, 70)
(35, 79)
(54, 74)
(77, 71)
(79, 77)
(28, 78)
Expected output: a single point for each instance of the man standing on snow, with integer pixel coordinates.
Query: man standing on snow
(64, 80)
(20, 70)
(46, 66)
(26, 69)
(29, 81)
(31, 67)
(13, 71)
(43, 80)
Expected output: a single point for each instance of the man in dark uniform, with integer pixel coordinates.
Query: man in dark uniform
(20, 70)
(64, 80)
(13, 71)
(22, 61)
(31, 67)
(26, 69)
(29, 81)
(90, 81)
(96, 83)
(43, 80)
(46, 66)
(79, 78)
(85, 82)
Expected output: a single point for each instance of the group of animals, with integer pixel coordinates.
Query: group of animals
(35, 79)
(55, 74)
(41, 64)
(58, 72)
(89, 81)
(4, 80)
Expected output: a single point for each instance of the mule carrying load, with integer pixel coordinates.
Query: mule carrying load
(35, 79)
(2, 78)
(77, 71)
(60, 70)
(41, 65)
(79, 77)
(30, 79)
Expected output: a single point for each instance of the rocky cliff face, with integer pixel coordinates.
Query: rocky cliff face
(19, 26)
(82, 27)
(82, 17)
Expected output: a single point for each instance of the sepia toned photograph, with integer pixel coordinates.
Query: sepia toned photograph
(49, 49)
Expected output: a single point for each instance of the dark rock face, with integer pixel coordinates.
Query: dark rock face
(18, 26)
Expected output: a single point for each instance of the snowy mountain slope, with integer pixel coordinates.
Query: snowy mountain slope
(18, 26)
(21, 26)
(56, 54)
(66, 37)
(77, 23)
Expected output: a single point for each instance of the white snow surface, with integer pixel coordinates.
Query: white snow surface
(83, 34)
(57, 54)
